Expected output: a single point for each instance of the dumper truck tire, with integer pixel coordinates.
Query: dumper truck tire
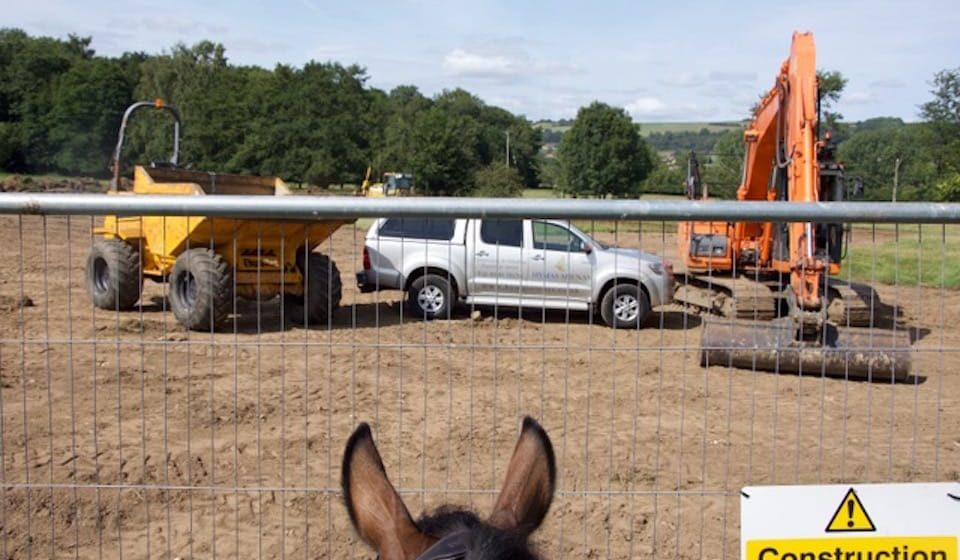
(201, 289)
(625, 306)
(322, 291)
(113, 274)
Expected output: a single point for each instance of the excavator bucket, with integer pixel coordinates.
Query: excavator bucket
(849, 353)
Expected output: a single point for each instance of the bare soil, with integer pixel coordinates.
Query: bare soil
(124, 435)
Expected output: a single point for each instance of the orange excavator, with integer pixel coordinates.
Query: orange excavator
(771, 283)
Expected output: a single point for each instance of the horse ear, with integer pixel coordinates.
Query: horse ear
(376, 510)
(528, 487)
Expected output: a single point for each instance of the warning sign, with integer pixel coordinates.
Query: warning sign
(863, 522)
(850, 516)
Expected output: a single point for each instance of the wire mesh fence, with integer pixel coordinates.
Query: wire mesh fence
(125, 434)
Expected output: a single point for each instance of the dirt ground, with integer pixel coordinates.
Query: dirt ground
(125, 436)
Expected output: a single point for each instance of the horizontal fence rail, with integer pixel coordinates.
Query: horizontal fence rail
(125, 434)
(306, 207)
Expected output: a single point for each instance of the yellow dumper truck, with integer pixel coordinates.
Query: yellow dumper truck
(207, 262)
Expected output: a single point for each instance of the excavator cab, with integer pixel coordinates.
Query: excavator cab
(829, 240)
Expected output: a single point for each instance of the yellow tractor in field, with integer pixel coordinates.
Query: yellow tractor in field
(392, 184)
(208, 262)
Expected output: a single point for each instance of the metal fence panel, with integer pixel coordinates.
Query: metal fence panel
(124, 434)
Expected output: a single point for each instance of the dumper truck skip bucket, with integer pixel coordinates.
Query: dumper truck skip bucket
(850, 353)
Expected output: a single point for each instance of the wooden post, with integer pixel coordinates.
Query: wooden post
(896, 177)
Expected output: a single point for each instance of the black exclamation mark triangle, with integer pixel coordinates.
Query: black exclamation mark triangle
(850, 516)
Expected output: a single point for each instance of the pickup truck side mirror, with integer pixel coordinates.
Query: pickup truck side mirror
(587, 248)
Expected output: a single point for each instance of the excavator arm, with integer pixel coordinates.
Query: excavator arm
(770, 281)
(781, 163)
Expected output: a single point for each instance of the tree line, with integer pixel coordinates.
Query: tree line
(323, 124)
(60, 108)
(896, 160)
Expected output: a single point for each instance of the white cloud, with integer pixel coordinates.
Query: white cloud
(646, 106)
(858, 98)
(695, 79)
(892, 83)
(733, 77)
(165, 23)
(255, 45)
(462, 63)
(328, 52)
(683, 79)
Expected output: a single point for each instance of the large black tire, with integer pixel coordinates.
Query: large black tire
(430, 297)
(201, 289)
(113, 274)
(625, 306)
(322, 291)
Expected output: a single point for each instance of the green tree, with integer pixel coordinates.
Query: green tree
(494, 126)
(29, 70)
(446, 155)
(879, 123)
(404, 105)
(948, 189)
(311, 124)
(82, 124)
(942, 114)
(211, 96)
(666, 178)
(549, 170)
(722, 173)
(602, 154)
(60, 106)
(525, 144)
(872, 154)
(830, 84)
(497, 180)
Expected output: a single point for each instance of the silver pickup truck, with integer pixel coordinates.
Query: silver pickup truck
(522, 263)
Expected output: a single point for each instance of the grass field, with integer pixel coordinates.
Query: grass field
(647, 129)
(906, 255)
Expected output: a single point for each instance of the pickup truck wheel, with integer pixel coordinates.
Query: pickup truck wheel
(430, 297)
(624, 306)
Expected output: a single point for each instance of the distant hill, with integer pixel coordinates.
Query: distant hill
(662, 136)
(647, 129)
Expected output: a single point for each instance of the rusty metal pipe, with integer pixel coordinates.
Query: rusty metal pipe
(850, 353)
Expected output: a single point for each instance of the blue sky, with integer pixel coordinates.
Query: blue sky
(662, 61)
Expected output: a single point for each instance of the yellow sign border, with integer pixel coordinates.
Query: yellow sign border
(855, 548)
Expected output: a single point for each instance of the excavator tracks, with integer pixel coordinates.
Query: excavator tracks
(852, 304)
(738, 297)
